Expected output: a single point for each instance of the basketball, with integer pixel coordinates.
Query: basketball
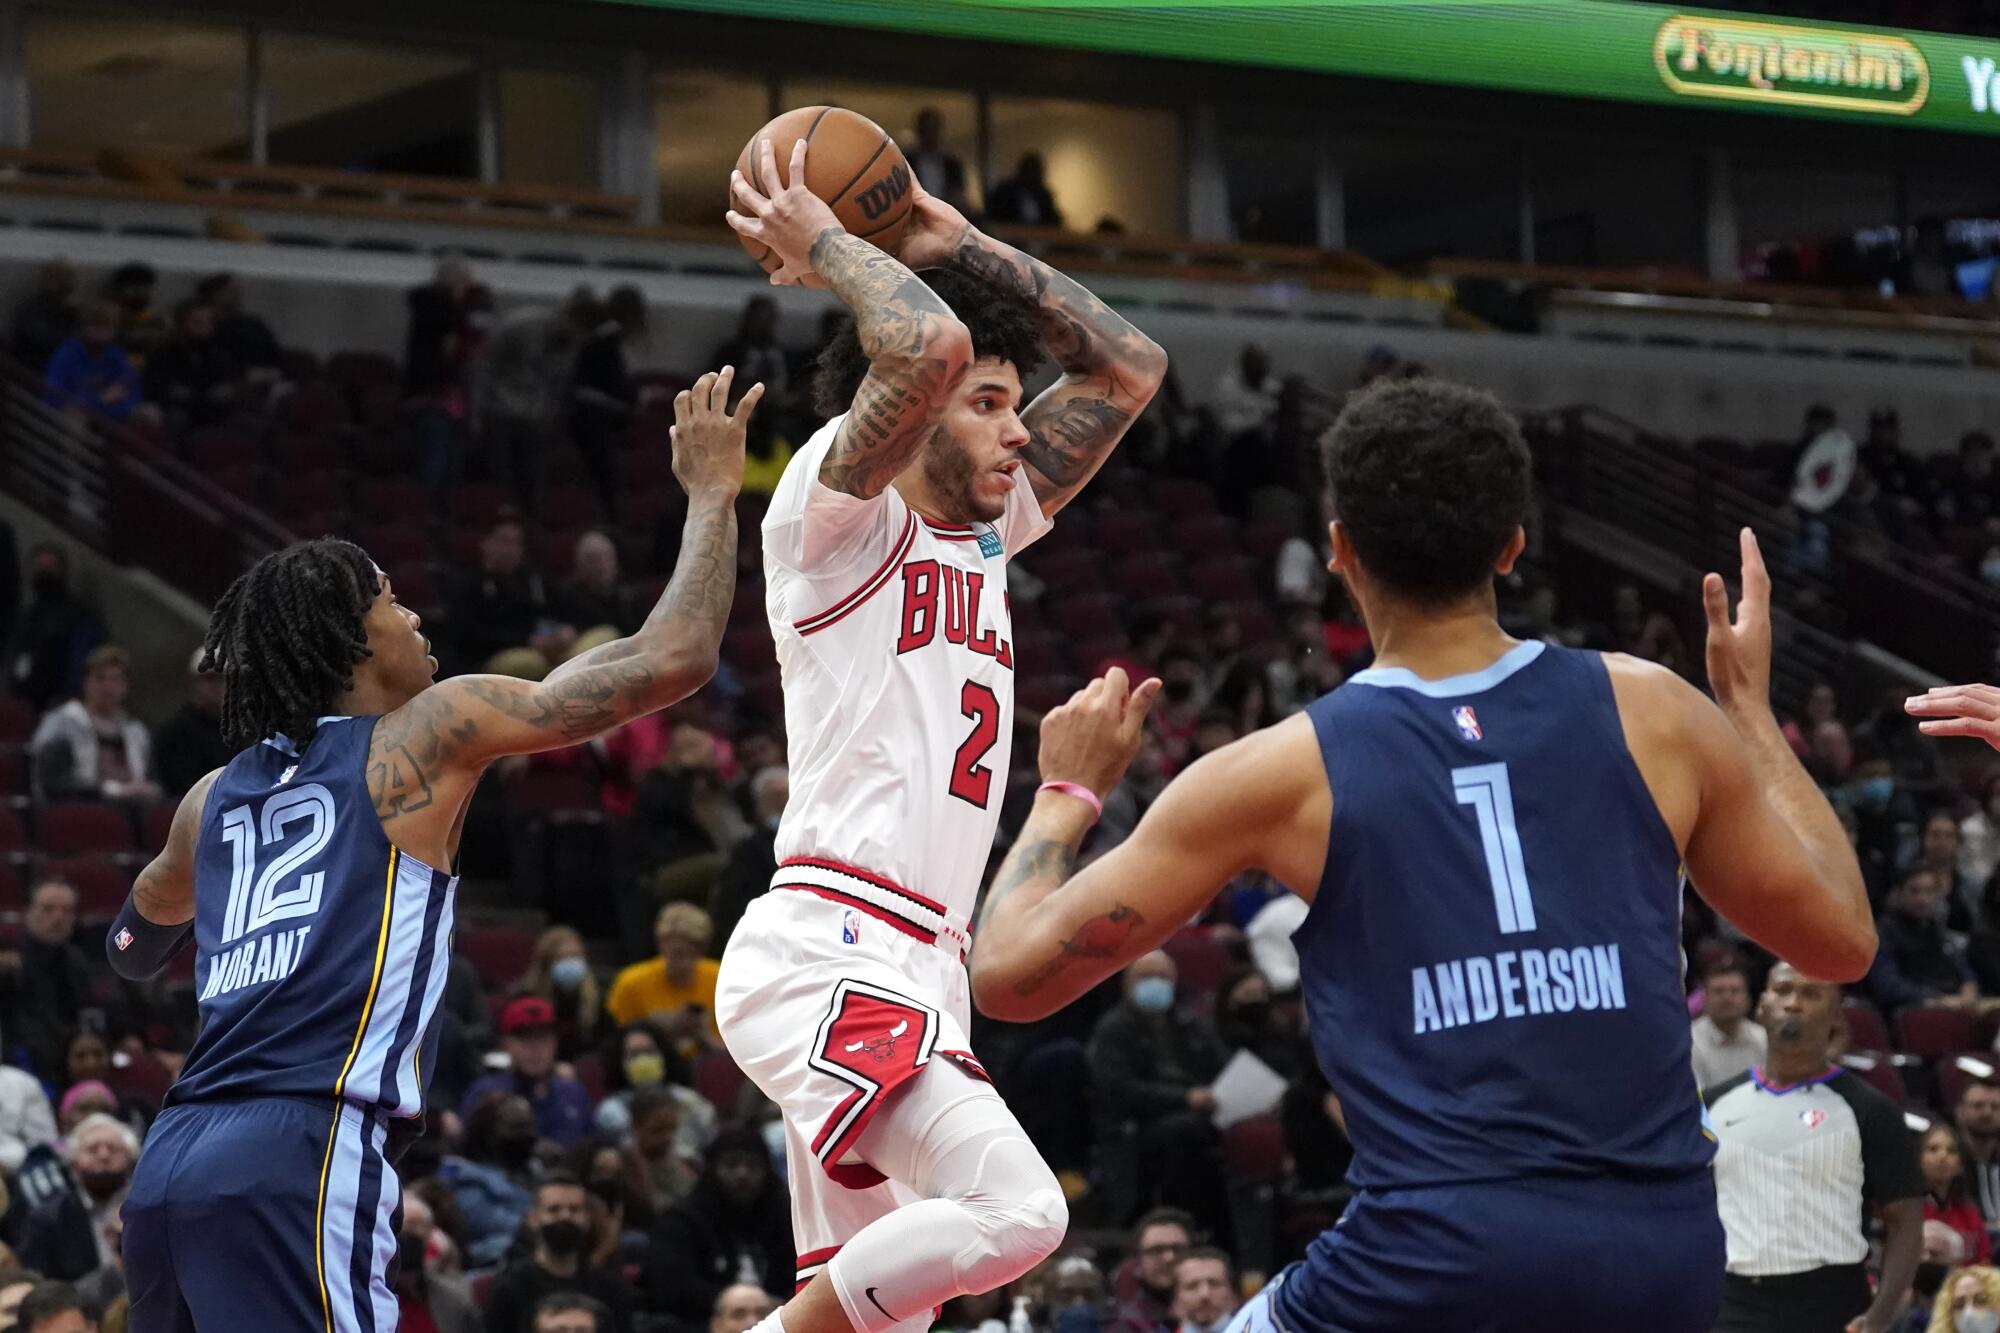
(850, 163)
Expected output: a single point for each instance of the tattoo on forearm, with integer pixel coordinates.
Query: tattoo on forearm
(694, 609)
(1066, 439)
(1095, 940)
(1045, 858)
(898, 320)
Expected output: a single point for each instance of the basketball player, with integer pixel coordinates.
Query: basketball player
(314, 872)
(843, 993)
(1490, 835)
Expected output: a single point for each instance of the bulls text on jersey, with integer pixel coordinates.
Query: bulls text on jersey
(943, 598)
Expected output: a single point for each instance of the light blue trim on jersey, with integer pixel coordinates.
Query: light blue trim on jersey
(1451, 687)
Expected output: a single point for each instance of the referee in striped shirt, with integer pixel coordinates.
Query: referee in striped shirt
(1806, 1149)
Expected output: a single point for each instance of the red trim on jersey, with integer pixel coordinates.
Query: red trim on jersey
(967, 1061)
(935, 526)
(955, 536)
(812, 1257)
(813, 624)
(867, 876)
(882, 914)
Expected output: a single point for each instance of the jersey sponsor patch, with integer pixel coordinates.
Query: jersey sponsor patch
(1468, 722)
(989, 544)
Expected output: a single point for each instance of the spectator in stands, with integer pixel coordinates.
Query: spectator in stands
(1979, 834)
(244, 337)
(559, 972)
(1144, 1283)
(15, 1284)
(603, 394)
(1831, 757)
(189, 744)
(594, 595)
(53, 1307)
(1024, 197)
(1726, 1043)
(491, 1174)
(54, 634)
(639, 1057)
(1245, 399)
(47, 319)
(48, 982)
(1919, 962)
(1946, 1199)
(1821, 705)
(676, 989)
(141, 326)
(191, 377)
(69, 1237)
(422, 1294)
(559, 1261)
(656, 1138)
(1937, 852)
(90, 374)
(528, 1035)
(740, 1308)
(88, 1069)
(1246, 1020)
(569, 1312)
(1645, 633)
(753, 861)
(760, 358)
(735, 1226)
(504, 604)
(1885, 815)
(1204, 1290)
(91, 746)
(523, 393)
(1150, 1069)
(937, 168)
(1978, 1118)
(1128, 802)
(1968, 1303)
(27, 1121)
(436, 357)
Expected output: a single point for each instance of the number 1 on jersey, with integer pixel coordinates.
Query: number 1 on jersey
(972, 781)
(1485, 788)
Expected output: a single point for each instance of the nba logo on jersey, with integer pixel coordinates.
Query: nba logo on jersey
(1813, 1118)
(850, 928)
(286, 776)
(1468, 722)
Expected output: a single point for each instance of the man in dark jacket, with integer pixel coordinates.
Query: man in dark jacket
(560, 1261)
(56, 631)
(1150, 1070)
(191, 376)
(735, 1223)
(502, 603)
(1919, 961)
(189, 744)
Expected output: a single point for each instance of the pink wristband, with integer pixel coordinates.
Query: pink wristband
(1081, 792)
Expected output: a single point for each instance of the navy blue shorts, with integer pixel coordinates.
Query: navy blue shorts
(1520, 1256)
(270, 1214)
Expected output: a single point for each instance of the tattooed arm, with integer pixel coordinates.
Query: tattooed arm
(917, 349)
(1047, 935)
(1110, 369)
(455, 728)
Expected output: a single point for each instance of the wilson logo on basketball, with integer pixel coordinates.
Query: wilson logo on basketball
(878, 198)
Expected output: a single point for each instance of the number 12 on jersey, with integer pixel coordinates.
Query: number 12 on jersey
(1485, 788)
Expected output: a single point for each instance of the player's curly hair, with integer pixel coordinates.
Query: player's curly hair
(1430, 479)
(1000, 328)
(286, 637)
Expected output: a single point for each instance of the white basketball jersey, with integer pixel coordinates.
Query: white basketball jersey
(896, 649)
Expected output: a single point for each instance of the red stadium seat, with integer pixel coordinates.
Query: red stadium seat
(1955, 1073)
(17, 720)
(154, 826)
(717, 1078)
(304, 453)
(477, 503)
(100, 884)
(499, 954)
(1202, 959)
(1865, 1029)
(13, 894)
(1927, 1031)
(1205, 535)
(640, 509)
(1144, 577)
(1254, 1150)
(647, 469)
(395, 500)
(313, 407)
(1182, 496)
(1263, 541)
(1078, 569)
(1225, 580)
(245, 481)
(395, 546)
(557, 551)
(590, 1073)
(545, 792)
(570, 507)
(359, 369)
(13, 771)
(1082, 616)
(83, 828)
(13, 837)
(384, 453)
(310, 492)
(1876, 1069)
(1041, 693)
(1121, 530)
(219, 446)
(749, 647)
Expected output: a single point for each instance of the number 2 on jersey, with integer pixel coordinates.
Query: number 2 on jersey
(1485, 788)
(972, 781)
(255, 900)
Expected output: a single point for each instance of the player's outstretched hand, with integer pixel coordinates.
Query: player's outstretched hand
(707, 440)
(1958, 710)
(1092, 739)
(1739, 653)
(788, 221)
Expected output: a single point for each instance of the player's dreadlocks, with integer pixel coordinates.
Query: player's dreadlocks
(286, 637)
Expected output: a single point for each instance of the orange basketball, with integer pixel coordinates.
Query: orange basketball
(850, 163)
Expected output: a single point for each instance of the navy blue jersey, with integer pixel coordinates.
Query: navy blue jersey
(1492, 964)
(322, 948)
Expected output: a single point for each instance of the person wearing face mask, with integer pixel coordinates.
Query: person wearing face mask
(528, 1036)
(559, 972)
(70, 1236)
(1919, 961)
(1885, 814)
(492, 1173)
(559, 1261)
(641, 1061)
(1204, 1290)
(1150, 1070)
(426, 1301)
(1246, 1021)
(54, 633)
(1968, 1303)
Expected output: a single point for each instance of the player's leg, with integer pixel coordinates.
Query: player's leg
(989, 1210)
(146, 1249)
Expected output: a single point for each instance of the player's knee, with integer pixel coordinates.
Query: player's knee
(1022, 1216)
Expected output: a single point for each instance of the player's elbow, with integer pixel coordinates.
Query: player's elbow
(1145, 367)
(943, 357)
(997, 995)
(686, 668)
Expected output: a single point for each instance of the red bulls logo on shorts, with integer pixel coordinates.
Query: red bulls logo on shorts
(873, 1040)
